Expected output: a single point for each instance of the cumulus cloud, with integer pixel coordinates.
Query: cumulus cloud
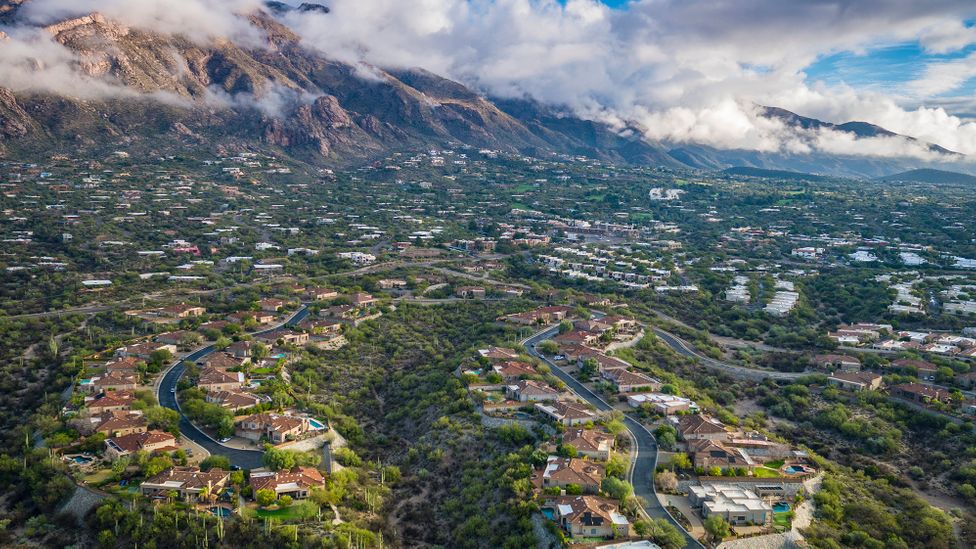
(682, 71)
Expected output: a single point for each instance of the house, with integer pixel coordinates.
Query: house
(110, 402)
(661, 403)
(567, 413)
(532, 391)
(182, 310)
(188, 483)
(214, 379)
(591, 517)
(121, 423)
(498, 353)
(542, 315)
(144, 350)
(589, 442)
(627, 382)
(222, 361)
(284, 336)
(392, 284)
(114, 381)
(296, 482)
(146, 441)
(577, 337)
(233, 400)
(276, 428)
(362, 300)
(562, 472)
(176, 338)
(240, 349)
(319, 294)
(126, 365)
(271, 305)
(917, 392)
(737, 506)
(855, 381)
(242, 317)
(470, 292)
(837, 362)
(712, 453)
(513, 370)
(701, 427)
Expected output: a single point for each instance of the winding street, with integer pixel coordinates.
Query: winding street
(166, 394)
(682, 347)
(645, 460)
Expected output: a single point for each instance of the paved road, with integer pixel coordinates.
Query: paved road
(642, 468)
(246, 459)
(682, 347)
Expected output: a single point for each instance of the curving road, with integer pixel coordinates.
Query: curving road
(684, 348)
(643, 465)
(165, 393)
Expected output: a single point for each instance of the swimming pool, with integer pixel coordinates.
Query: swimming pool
(82, 460)
(795, 469)
(549, 514)
(781, 507)
(222, 512)
(316, 424)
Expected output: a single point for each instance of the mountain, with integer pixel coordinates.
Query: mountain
(162, 93)
(931, 176)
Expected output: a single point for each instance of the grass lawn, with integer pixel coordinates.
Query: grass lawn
(774, 464)
(782, 520)
(763, 472)
(524, 188)
(519, 206)
(296, 511)
(98, 477)
(263, 371)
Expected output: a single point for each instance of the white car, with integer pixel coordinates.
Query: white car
(225, 439)
(172, 390)
(559, 357)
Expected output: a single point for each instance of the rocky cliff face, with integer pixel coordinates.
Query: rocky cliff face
(277, 95)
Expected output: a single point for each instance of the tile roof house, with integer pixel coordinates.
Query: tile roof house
(147, 441)
(189, 483)
(296, 482)
(214, 379)
(626, 381)
(276, 428)
(921, 366)
(532, 391)
(271, 305)
(920, 393)
(567, 413)
(234, 401)
(701, 427)
(591, 443)
(591, 517)
(128, 364)
(115, 381)
(855, 381)
(182, 310)
(841, 362)
(145, 349)
(514, 370)
(562, 472)
(498, 353)
(120, 423)
(222, 361)
(110, 401)
(318, 294)
(712, 453)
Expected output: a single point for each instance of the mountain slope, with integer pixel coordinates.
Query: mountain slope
(931, 176)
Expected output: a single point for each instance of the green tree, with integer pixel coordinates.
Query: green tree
(215, 462)
(264, 497)
(716, 527)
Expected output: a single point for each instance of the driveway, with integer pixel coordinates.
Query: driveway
(166, 394)
(642, 467)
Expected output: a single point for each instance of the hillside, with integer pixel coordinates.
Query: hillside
(931, 176)
(773, 174)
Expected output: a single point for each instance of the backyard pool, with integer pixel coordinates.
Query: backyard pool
(795, 469)
(549, 514)
(781, 507)
(222, 512)
(316, 424)
(82, 460)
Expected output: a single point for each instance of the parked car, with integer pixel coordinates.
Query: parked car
(225, 439)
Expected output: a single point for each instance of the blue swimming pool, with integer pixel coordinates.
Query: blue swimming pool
(549, 514)
(222, 512)
(82, 460)
(794, 469)
(316, 424)
(781, 507)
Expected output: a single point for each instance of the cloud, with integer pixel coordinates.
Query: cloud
(685, 71)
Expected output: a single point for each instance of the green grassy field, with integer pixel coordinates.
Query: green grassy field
(296, 511)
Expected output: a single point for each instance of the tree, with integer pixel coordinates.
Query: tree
(617, 467)
(616, 488)
(716, 527)
(565, 326)
(284, 501)
(589, 368)
(157, 465)
(548, 347)
(574, 490)
(681, 461)
(666, 481)
(215, 462)
(264, 497)
(163, 418)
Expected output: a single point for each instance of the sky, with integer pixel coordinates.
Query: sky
(676, 71)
